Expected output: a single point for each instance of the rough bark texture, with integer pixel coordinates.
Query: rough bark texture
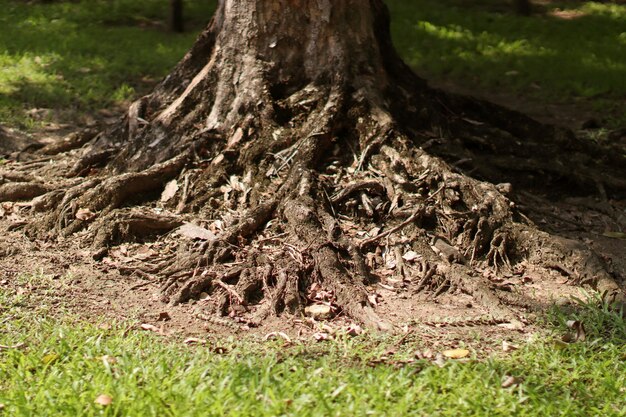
(290, 124)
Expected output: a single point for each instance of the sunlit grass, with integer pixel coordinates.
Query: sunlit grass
(82, 56)
(544, 56)
(85, 55)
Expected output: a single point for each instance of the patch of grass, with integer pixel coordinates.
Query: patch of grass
(67, 364)
(601, 321)
(86, 55)
(483, 44)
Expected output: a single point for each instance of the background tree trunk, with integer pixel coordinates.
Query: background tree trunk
(523, 7)
(176, 20)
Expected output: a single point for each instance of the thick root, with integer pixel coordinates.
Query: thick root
(18, 191)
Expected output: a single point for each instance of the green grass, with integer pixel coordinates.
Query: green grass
(86, 55)
(482, 44)
(67, 364)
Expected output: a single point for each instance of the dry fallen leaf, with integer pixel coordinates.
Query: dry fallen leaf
(50, 358)
(276, 335)
(108, 360)
(439, 360)
(510, 381)
(374, 232)
(150, 327)
(104, 400)
(85, 214)
(354, 330)
(426, 354)
(579, 328)
(318, 311)
(508, 347)
(192, 231)
(321, 336)
(235, 139)
(514, 325)
(410, 256)
(170, 191)
(456, 353)
(194, 341)
(144, 252)
(373, 299)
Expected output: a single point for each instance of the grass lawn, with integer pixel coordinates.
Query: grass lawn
(67, 364)
(575, 54)
(82, 56)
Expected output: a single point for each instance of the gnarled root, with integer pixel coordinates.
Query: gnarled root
(313, 191)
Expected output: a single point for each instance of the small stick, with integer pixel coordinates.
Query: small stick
(404, 338)
(183, 199)
(270, 238)
(8, 347)
(143, 284)
(416, 214)
(229, 290)
(430, 197)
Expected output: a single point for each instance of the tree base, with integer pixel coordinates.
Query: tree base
(312, 190)
(316, 230)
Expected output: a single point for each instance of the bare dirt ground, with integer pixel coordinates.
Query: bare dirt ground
(112, 289)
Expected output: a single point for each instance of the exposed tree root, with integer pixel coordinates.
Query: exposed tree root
(457, 225)
(131, 225)
(16, 191)
(315, 179)
(72, 141)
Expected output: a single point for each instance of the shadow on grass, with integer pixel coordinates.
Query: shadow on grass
(87, 54)
(479, 44)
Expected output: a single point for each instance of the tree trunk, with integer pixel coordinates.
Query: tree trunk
(523, 7)
(177, 23)
(292, 122)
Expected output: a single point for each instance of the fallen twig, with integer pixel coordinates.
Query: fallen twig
(9, 347)
(416, 214)
(143, 284)
(230, 290)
